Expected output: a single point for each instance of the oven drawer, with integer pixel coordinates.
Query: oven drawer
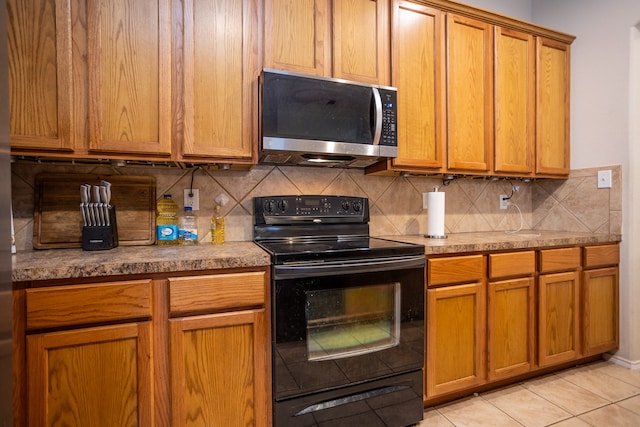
(457, 269)
(216, 292)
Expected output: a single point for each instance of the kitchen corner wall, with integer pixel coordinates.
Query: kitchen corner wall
(472, 204)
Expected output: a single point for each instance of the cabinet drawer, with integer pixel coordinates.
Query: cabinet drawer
(512, 264)
(559, 259)
(216, 292)
(458, 269)
(87, 304)
(597, 256)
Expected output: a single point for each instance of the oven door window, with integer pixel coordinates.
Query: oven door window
(352, 321)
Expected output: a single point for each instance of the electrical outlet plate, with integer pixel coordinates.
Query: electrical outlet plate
(504, 201)
(604, 179)
(193, 201)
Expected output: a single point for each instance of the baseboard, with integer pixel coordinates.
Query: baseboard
(629, 364)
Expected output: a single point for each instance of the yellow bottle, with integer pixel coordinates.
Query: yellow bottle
(167, 222)
(217, 226)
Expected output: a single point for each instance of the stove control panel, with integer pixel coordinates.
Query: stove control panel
(294, 209)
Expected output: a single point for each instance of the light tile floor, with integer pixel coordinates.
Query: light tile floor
(597, 394)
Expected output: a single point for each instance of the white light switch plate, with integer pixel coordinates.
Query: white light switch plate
(604, 179)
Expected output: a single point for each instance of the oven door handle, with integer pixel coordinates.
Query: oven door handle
(331, 268)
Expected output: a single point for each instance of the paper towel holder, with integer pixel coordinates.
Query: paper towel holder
(433, 235)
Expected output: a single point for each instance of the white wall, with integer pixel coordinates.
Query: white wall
(520, 9)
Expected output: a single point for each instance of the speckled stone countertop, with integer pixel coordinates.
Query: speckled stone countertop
(499, 240)
(124, 260)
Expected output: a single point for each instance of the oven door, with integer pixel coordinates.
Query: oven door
(348, 322)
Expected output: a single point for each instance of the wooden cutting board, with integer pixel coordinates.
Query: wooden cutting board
(57, 217)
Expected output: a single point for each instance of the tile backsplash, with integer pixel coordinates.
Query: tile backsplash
(472, 204)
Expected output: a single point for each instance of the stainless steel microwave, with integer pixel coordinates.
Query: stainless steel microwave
(310, 120)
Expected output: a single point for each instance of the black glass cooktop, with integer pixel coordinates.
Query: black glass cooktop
(332, 249)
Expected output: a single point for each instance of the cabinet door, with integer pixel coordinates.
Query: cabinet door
(361, 40)
(219, 370)
(558, 317)
(514, 102)
(600, 310)
(418, 73)
(469, 94)
(129, 58)
(510, 322)
(220, 71)
(552, 107)
(297, 36)
(455, 356)
(40, 88)
(95, 376)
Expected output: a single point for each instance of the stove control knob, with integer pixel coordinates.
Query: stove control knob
(357, 206)
(282, 205)
(345, 205)
(268, 206)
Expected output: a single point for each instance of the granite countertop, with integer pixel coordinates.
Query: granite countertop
(499, 240)
(125, 260)
(75, 263)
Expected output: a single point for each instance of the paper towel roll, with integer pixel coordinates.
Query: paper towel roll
(435, 214)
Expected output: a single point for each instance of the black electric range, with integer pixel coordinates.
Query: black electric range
(312, 228)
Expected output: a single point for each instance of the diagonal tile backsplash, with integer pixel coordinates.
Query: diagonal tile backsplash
(472, 204)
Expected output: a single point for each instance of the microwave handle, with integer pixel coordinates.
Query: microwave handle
(378, 123)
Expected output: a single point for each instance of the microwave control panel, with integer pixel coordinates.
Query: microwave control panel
(389, 117)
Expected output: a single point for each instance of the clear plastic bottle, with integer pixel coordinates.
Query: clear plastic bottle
(217, 226)
(188, 230)
(167, 221)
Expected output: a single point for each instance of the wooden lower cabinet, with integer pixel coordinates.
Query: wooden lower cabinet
(219, 369)
(600, 299)
(558, 317)
(455, 338)
(505, 315)
(98, 376)
(167, 351)
(510, 327)
(600, 296)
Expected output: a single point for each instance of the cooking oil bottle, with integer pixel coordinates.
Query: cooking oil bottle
(167, 221)
(217, 226)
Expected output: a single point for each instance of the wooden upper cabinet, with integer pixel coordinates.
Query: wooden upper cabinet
(361, 40)
(297, 36)
(219, 78)
(417, 47)
(347, 39)
(552, 110)
(129, 60)
(469, 94)
(514, 102)
(40, 88)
